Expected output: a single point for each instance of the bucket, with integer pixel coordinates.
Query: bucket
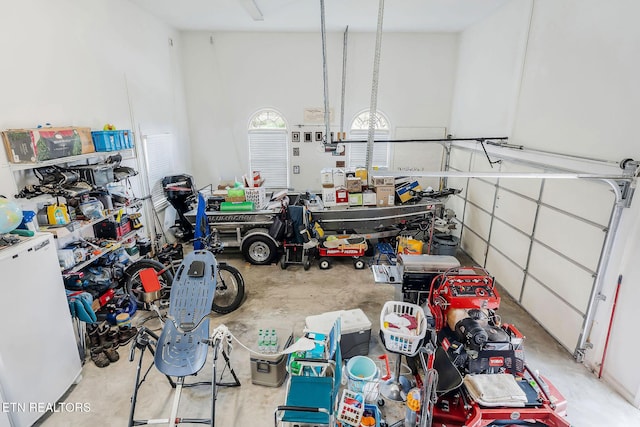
(361, 371)
(123, 319)
(445, 244)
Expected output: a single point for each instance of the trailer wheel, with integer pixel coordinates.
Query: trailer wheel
(306, 265)
(358, 264)
(324, 264)
(283, 262)
(258, 249)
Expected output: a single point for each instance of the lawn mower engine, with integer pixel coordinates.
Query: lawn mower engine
(469, 329)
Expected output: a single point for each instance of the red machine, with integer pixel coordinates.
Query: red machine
(483, 377)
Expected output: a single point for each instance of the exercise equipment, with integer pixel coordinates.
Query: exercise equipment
(181, 349)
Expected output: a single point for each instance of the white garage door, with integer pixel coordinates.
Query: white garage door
(541, 238)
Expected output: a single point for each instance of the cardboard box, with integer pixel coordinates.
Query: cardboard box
(369, 198)
(33, 145)
(329, 196)
(339, 178)
(326, 177)
(383, 180)
(406, 191)
(355, 199)
(342, 196)
(354, 185)
(385, 195)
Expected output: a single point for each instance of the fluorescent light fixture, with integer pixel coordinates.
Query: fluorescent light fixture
(252, 9)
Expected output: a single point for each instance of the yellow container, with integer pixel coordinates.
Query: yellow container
(409, 246)
(57, 214)
(362, 174)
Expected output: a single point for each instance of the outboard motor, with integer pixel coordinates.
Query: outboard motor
(182, 195)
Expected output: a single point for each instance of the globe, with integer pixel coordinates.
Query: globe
(10, 215)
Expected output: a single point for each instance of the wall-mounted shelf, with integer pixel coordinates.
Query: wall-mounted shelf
(117, 244)
(126, 154)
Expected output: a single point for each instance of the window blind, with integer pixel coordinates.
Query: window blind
(358, 152)
(158, 150)
(268, 154)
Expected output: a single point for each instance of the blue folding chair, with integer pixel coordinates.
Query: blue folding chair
(311, 396)
(182, 347)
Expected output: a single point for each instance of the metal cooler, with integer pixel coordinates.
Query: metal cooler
(417, 272)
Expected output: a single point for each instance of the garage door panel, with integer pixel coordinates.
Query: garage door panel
(478, 220)
(479, 163)
(473, 245)
(589, 200)
(458, 183)
(456, 204)
(508, 275)
(459, 160)
(481, 194)
(574, 238)
(510, 242)
(516, 210)
(553, 314)
(569, 281)
(529, 187)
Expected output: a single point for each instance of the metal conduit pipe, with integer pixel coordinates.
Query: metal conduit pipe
(344, 76)
(374, 91)
(324, 73)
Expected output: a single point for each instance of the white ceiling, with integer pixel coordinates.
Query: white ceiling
(304, 15)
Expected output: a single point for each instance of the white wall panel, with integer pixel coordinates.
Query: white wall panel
(565, 278)
(479, 221)
(473, 245)
(508, 275)
(515, 210)
(576, 239)
(510, 242)
(457, 205)
(552, 313)
(588, 200)
(481, 194)
(460, 159)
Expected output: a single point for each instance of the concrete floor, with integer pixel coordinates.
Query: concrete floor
(286, 298)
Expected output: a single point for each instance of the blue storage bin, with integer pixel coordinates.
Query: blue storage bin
(127, 139)
(105, 140)
(119, 139)
(373, 410)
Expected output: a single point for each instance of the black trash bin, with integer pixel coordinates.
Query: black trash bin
(445, 244)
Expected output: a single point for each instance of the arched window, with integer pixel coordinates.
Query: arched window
(360, 131)
(268, 151)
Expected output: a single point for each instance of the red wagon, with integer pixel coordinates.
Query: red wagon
(352, 246)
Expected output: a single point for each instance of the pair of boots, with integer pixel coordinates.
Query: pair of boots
(103, 341)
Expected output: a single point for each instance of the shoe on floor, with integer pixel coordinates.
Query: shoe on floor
(111, 353)
(92, 332)
(113, 337)
(126, 334)
(99, 357)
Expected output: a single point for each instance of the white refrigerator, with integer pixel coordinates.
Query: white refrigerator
(39, 357)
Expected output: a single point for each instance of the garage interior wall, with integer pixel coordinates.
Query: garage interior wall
(230, 76)
(560, 77)
(78, 63)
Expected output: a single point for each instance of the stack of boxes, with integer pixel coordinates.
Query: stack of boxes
(385, 190)
(340, 188)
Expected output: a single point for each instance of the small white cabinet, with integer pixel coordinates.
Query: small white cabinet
(39, 357)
